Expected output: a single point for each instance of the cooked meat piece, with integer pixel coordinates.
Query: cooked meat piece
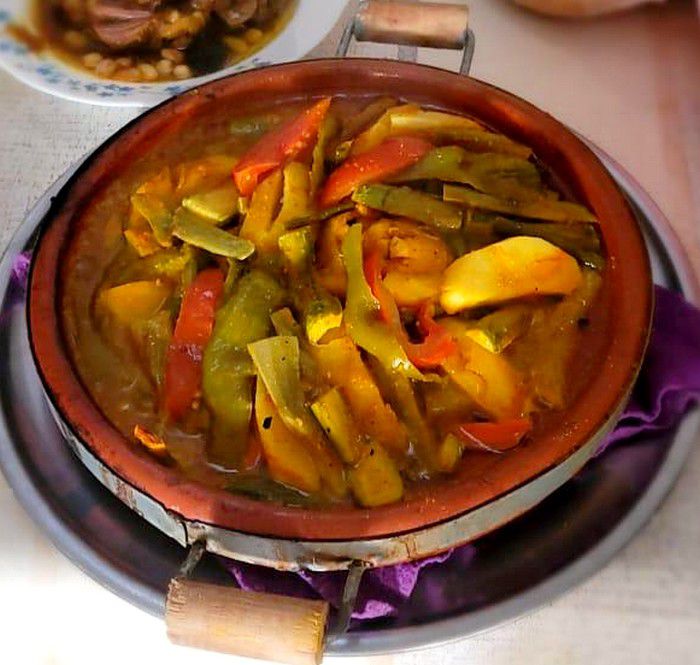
(122, 23)
(268, 10)
(236, 12)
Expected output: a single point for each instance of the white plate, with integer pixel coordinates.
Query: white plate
(310, 23)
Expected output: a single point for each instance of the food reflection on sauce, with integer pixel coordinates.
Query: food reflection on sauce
(153, 40)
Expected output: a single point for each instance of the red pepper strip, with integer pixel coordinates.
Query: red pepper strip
(254, 453)
(493, 437)
(387, 159)
(183, 364)
(279, 146)
(437, 344)
(374, 275)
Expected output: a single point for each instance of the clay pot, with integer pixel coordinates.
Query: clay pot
(611, 365)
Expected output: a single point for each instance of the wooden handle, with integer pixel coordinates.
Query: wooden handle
(245, 623)
(412, 23)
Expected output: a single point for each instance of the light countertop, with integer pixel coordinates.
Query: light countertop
(631, 84)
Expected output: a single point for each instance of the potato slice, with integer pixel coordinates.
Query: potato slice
(410, 290)
(296, 203)
(216, 205)
(376, 481)
(330, 270)
(289, 459)
(335, 417)
(514, 268)
(449, 453)
(134, 301)
(341, 364)
(261, 210)
(487, 378)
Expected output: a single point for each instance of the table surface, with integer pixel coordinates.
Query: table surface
(631, 83)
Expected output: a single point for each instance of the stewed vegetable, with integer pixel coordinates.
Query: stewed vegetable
(337, 302)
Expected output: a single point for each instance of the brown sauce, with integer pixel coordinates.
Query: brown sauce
(32, 41)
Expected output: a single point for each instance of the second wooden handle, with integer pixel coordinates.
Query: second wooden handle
(412, 23)
(245, 623)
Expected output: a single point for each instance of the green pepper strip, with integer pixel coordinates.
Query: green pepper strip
(491, 173)
(411, 120)
(581, 240)
(407, 202)
(155, 334)
(554, 211)
(195, 231)
(320, 216)
(159, 218)
(321, 310)
(217, 205)
(362, 313)
(232, 275)
(285, 324)
(169, 262)
(318, 161)
(399, 392)
(337, 421)
(483, 141)
(227, 371)
(276, 360)
(496, 331)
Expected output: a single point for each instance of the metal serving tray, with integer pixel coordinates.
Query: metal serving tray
(556, 545)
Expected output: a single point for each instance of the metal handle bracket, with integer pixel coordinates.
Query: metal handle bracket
(411, 24)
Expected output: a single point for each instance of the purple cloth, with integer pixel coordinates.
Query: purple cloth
(670, 378)
(668, 384)
(382, 590)
(18, 281)
(20, 268)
